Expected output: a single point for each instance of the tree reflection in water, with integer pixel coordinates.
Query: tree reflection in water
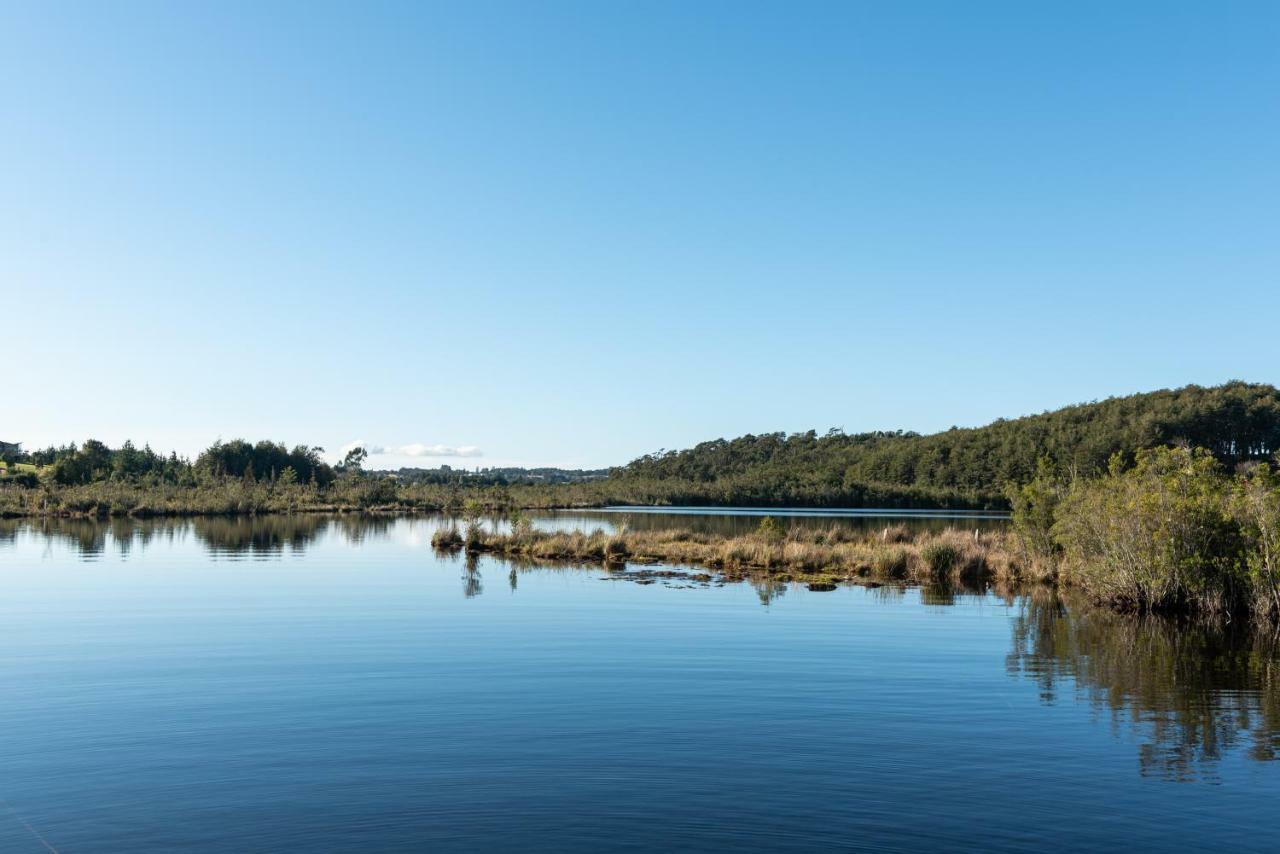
(1191, 692)
(472, 583)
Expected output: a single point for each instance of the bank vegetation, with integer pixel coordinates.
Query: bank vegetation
(1174, 532)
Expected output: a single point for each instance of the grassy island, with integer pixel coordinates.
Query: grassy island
(832, 555)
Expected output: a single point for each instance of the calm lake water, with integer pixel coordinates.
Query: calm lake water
(732, 521)
(333, 685)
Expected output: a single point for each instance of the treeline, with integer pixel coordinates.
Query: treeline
(94, 461)
(1236, 422)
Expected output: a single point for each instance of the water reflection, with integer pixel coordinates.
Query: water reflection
(768, 589)
(737, 522)
(264, 537)
(1191, 693)
(253, 537)
(472, 583)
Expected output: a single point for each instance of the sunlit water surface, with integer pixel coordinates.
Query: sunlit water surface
(333, 685)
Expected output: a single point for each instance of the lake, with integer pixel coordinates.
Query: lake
(331, 684)
(735, 521)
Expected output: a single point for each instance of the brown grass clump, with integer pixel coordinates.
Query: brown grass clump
(447, 539)
(891, 562)
(896, 534)
(822, 555)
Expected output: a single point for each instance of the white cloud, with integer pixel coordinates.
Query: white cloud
(414, 449)
(418, 449)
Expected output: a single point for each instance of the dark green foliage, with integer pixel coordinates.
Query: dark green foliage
(22, 479)
(94, 461)
(1035, 506)
(1236, 422)
(263, 461)
(354, 460)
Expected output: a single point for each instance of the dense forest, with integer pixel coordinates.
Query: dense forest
(959, 468)
(1236, 422)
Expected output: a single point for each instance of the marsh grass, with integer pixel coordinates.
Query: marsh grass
(939, 558)
(824, 555)
(447, 539)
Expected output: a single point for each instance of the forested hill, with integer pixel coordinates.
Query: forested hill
(960, 467)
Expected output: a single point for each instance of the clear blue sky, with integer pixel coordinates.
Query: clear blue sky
(574, 233)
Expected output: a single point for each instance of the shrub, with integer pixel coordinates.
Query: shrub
(447, 538)
(891, 562)
(939, 558)
(1158, 536)
(474, 537)
(770, 531)
(615, 548)
(1035, 507)
(1256, 501)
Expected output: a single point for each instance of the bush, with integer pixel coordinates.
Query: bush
(1035, 506)
(615, 548)
(1158, 536)
(1257, 507)
(770, 531)
(24, 479)
(447, 538)
(891, 562)
(475, 534)
(939, 558)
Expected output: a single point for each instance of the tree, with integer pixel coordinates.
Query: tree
(354, 460)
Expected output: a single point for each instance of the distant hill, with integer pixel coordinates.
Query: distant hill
(959, 467)
(495, 476)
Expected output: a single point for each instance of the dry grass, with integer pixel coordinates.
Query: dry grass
(826, 554)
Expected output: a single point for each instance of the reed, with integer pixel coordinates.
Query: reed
(802, 553)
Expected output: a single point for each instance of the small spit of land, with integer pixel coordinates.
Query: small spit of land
(821, 558)
(1171, 533)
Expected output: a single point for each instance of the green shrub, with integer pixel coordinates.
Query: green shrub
(1158, 536)
(1035, 506)
(1256, 501)
(770, 531)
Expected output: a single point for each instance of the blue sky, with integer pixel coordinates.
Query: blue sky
(570, 234)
